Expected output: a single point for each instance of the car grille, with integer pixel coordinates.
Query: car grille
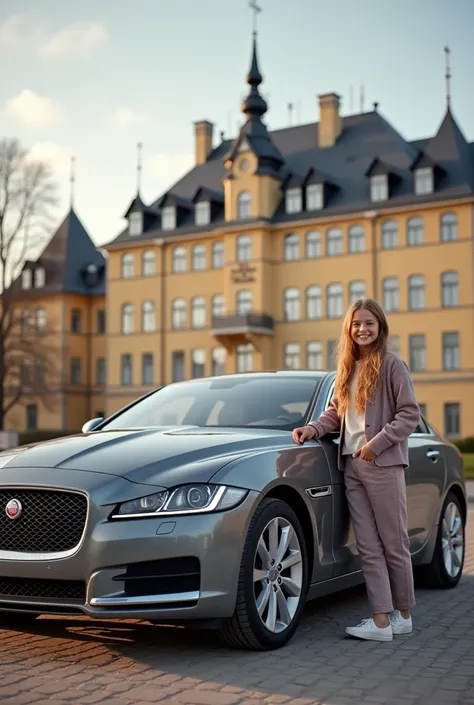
(44, 589)
(162, 577)
(50, 522)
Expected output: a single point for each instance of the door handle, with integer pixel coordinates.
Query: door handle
(433, 454)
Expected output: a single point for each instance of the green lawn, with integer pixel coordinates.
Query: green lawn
(469, 465)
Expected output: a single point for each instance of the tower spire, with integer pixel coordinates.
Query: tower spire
(72, 181)
(139, 167)
(254, 104)
(447, 75)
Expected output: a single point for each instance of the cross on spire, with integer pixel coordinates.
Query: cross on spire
(139, 166)
(256, 11)
(72, 180)
(447, 75)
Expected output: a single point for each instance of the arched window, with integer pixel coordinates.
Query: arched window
(218, 361)
(334, 301)
(244, 205)
(217, 255)
(334, 242)
(39, 277)
(292, 356)
(314, 308)
(243, 248)
(449, 227)
(148, 317)
(357, 290)
(244, 358)
(179, 259)
(415, 231)
(41, 320)
(314, 356)
(291, 247)
(128, 265)
(243, 302)
(218, 305)
(148, 263)
(198, 312)
(292, 304)
(391, 294)
(416, 292)
(356, 238)
(198, 363)
(389, 234)
(313, 245)
(128, 314)
(199, 257)
(178, 314)
(450, 289)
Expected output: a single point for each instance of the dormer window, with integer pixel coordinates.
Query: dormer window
(424, 181)
(203, 213)
(314, 197)
(168, 218)
(39, 278)
(294, 200)
(379, 188)
(26, 279)
(135, 223)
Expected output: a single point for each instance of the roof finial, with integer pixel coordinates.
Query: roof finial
(139, 166)
(72, 180)
(256, 11)
(447, 76)
(362, 98)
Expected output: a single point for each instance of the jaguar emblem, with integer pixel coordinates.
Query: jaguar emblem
(13, 509)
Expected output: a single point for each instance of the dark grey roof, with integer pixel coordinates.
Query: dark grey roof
(364, 138)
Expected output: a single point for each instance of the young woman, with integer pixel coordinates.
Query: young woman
(374, 409)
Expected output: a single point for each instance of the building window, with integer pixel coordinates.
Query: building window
(76, 370)
(199, 258)
(452, 420)
(25, 323)
(332, 354)
(313, 245)
(76, 320)
(218, 305)
(391, 294)
(26, 375)
(393, 344)
(334, 242)
(243, 248)
(244, 358)
(218, 361)
(148, 376)
(314, 356)
(218, 255)
(177, 366)
(198, 363)
(100, 321)
(128, 315)
(334, 301)
(314, 302)
(244, 205)
(294, 200)
(244, 302)
(202, 213)
(417, 347)
(41, 321)
(356, 239)
(178, 314)
(389, 235)
(148, 317)
(100, 371)
(168, 218)
(40, 278)
(451, 351)
(128, 266)
(450, 289)
(135, 224)
(179, 259)
(198, 312)
(379, 188)
(415, 231)
(126, 370)
(292, 306)
(291, 247)
(416, 292)
(31, 417)
(449, 227)
(292, 356)
(314, 197)
(357, 291)
(424, 182)
(148, 263)
(26, 279)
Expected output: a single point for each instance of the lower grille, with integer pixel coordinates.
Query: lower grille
(164, 577)
(49, 522)
(44, 589)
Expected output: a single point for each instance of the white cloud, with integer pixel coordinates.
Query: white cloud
(166, 169)
(16, 32)
(126, 116)
(55, 155)
(31, 108)
(80, 38)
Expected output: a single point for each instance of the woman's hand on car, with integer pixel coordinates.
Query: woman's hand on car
(304, 433)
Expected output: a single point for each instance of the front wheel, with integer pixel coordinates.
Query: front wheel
(273, 580)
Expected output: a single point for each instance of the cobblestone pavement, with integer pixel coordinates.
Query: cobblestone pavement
(78, 661)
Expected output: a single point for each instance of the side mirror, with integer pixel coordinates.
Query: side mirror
(92, 424)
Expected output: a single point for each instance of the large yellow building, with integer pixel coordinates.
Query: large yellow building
(250, 260)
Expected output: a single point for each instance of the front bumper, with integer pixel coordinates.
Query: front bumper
(110, 549)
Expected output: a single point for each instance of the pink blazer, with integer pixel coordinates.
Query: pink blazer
(389, 419)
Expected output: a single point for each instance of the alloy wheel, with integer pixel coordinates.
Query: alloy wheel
(452, 540)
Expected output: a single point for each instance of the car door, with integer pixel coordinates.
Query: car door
(425, 479)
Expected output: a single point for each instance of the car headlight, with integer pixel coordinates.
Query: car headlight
(187, 499)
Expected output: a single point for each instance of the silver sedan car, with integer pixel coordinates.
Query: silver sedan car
(194, 506)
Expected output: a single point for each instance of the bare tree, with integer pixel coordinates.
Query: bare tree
(27, 196)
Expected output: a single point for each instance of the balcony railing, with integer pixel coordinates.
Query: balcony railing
(235, 323)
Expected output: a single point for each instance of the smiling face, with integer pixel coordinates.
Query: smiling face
(365, 329)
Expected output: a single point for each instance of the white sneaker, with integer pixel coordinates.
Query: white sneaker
(400, 625)
(367, 629)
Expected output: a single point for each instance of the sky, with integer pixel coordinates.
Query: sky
(92, 79)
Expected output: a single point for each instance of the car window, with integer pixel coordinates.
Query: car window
(269, 402)
(422, 427)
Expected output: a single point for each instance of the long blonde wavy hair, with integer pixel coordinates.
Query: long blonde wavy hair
(370, 364)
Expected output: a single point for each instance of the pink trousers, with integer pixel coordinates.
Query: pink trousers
(378, 508)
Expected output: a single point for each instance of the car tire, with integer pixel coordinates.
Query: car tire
(12, 619)
(445, 570)
(246, 628)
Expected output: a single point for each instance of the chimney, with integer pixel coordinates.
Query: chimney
(330, 123)
(203, 131)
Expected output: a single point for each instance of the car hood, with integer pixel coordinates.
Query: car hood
(159, 456)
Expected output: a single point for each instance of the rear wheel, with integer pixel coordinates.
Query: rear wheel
(272, 582)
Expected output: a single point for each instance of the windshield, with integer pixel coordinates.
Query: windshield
(267, 402)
